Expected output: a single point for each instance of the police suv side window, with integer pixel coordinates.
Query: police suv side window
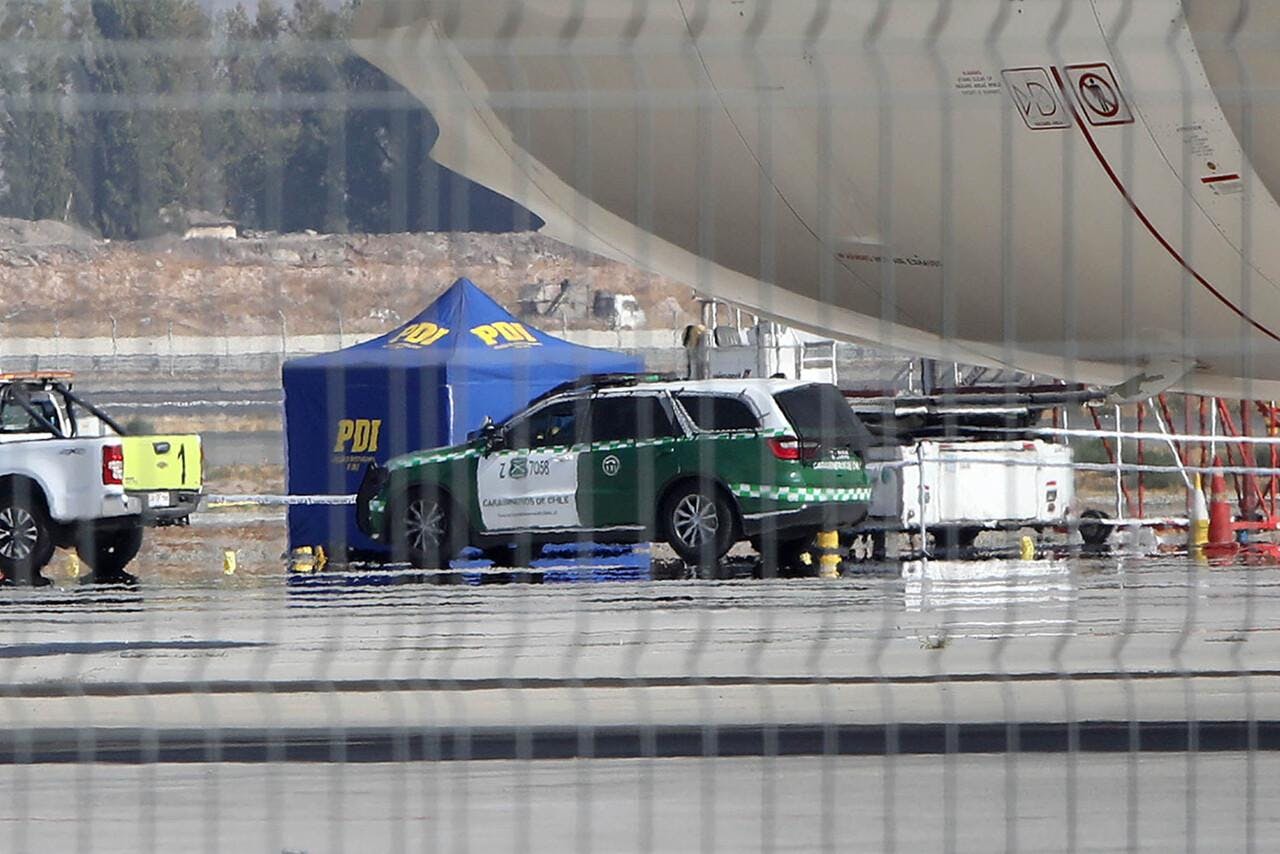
(553, 425)
(718, 412)
(632, 418)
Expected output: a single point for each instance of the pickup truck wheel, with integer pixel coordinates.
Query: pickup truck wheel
(422, 529)
(699, 524)
(108, 552)
(26, 538)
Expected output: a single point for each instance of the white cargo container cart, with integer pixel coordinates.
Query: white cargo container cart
(962, 461)
(954, 490)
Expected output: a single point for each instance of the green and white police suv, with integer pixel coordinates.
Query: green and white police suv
(700, 464)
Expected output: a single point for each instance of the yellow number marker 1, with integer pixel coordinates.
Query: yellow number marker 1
(229, 562)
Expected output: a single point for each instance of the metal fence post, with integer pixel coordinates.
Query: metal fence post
(1120, 508)
(920, 497)
(284, 337)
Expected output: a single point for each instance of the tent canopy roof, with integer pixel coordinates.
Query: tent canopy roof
(466, 329)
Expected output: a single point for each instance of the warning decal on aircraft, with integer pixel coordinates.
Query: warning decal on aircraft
(1033, 95)
(1098, 93)
(1230, 184)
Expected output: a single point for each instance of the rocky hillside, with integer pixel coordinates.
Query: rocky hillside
(57, 280)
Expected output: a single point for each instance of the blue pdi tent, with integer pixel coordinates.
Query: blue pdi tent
(425, 384)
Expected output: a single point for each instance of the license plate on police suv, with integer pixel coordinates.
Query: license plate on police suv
(158, 499)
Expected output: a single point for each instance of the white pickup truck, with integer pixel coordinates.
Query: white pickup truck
(70, 477)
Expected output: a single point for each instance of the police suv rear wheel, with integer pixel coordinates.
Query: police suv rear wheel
(699, 524)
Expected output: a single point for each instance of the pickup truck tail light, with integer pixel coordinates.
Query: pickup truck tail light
(793, 449)
(112, 465)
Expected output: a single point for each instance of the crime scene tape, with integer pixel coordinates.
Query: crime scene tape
(194, 404)
(215, 500)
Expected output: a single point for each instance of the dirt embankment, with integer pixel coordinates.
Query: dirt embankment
(55, 280)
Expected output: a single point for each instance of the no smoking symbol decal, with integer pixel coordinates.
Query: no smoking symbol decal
(1099, 94)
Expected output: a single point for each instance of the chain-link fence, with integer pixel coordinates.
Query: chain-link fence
(651, 425)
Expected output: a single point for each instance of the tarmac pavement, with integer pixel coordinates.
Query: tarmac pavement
(1095, 803)
(1100, 703)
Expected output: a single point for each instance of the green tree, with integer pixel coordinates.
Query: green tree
(393, 184)
(315, 171)
(257, 133)
(144, 134)
(36, 132)
(107, 121)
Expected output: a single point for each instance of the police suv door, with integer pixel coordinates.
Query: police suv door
(632, 454)
(532, 482)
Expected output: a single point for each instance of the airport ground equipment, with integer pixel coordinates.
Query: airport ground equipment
(71, 477)
(765, 349)
(701, 464)
(954, 490)
(954, 463)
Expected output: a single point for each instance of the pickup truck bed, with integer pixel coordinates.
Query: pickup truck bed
(71, 478)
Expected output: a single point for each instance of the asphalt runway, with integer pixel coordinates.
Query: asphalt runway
(1133, 700)
(1106, 638)
(1141, 803)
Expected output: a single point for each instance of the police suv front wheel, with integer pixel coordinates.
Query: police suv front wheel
(422, 530)
(699, 524)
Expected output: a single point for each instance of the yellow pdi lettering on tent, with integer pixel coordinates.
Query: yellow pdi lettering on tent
(358, 436)
(418, 335)
(504, 333)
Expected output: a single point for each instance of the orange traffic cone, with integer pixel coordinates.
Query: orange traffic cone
(1221, 533)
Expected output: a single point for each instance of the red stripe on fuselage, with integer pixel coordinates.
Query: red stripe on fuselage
(1133, 205)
